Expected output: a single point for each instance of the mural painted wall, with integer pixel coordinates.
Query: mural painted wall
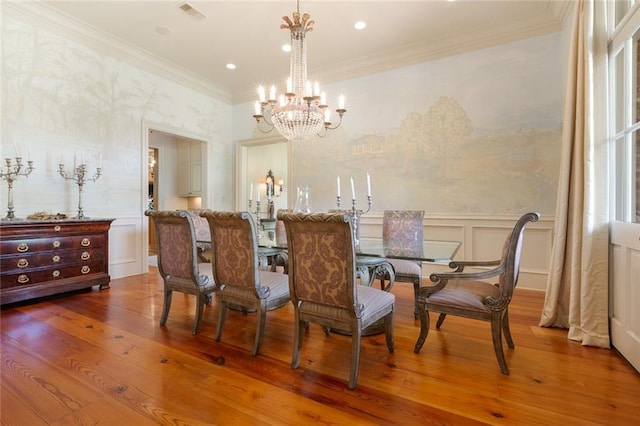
(62, 99)
(476, 133)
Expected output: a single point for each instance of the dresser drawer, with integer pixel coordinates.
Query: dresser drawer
(28, 245)
(56, 258)
(35, 276)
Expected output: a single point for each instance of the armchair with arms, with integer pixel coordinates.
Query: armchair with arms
(468, 295)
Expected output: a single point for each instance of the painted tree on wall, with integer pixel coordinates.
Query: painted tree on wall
(445, 126)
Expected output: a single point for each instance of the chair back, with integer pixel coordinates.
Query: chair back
(511, 254)
(200, 225)
(402, 227)
(234, 244)
(177, 252)
(321, 259)
(281, 231)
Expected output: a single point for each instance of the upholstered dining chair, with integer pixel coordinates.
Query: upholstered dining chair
(404, 229)
(178, 261)
(323, 287)
(203, 236)
(241, 281)
(469, 295)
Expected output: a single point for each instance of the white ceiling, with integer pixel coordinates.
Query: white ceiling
(248, 34)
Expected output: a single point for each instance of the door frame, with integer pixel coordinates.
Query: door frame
(147, 126)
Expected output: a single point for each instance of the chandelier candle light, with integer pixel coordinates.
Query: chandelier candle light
(355, 213)
(10, 172)
(302, 111)
(79, 175)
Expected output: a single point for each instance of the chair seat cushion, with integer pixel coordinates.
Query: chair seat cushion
(377, 304)
(406, 267)
(277, 283)
(464, 294)
(187, 285)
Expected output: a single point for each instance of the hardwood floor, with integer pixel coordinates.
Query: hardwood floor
(101, 357)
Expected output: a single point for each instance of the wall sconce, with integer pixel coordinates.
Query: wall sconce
(274, 189)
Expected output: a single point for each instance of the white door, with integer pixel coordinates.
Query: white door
(624, 108)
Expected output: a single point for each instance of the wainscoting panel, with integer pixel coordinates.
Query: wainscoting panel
(125, 248)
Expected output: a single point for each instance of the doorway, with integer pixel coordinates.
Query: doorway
(153, 195)
(166, 166)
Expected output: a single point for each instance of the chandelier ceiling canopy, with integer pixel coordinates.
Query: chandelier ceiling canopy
(302, 111)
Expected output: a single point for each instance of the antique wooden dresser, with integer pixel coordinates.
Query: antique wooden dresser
(44, 257)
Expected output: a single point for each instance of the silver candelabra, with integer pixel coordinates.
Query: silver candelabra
(356, 215)
(10, 172)
(258, 214)
(79, 176)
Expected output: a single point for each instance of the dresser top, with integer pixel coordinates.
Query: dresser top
(30, 222)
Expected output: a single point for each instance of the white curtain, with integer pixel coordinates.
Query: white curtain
(577, 288)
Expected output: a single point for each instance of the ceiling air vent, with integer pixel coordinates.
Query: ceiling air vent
(191, 11)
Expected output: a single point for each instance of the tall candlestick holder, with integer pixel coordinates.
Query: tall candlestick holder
(10, 172)
(79, 176)
(355, 216)
(258, 214)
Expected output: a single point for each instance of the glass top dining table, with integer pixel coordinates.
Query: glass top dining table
(428, 251)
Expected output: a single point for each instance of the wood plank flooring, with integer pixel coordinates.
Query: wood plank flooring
(101, 357)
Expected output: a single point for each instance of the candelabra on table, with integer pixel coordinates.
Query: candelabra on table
(10, 174)
(79, 176)
(258, 214)
(356, 215)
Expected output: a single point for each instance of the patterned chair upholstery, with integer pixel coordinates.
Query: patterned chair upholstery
(202, 234)
(468, 295)
(403, 229)
(178, 261)
(236, 270)
(322, 282)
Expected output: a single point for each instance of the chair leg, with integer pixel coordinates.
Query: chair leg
(388, 332)
(221, 317)
(424, 330)
(261, 319)
(506, 330)
(298, 331)
(496, 335)
(201, 299)
(441, 318)
(416, 294)
(166, 307)
(356, 335)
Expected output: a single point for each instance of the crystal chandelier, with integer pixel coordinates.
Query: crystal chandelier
(302, 111)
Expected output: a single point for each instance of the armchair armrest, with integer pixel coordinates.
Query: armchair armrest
(459, 265)
(441, 279)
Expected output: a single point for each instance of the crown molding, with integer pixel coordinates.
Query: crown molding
(426, 50)
(46, 17)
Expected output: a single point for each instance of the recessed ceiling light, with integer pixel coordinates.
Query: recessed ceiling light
(163, 30)
(231, 66)
(286, 48)
(360, 25)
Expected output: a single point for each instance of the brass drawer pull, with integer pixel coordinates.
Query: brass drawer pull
(57, 228)
(56, 244)
(22, 263)
(85, 269)
(22, 247)
(23, 279)
(85, 255)
(56, 259)
(85, 242)
(55, 273)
